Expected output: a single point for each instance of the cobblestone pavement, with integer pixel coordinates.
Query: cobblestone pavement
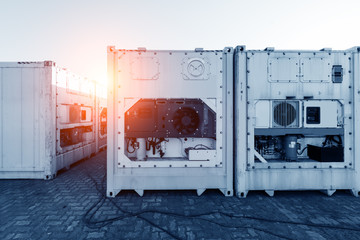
(72, 206)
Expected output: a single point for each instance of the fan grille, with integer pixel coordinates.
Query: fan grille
(284, 114)
(186, 120)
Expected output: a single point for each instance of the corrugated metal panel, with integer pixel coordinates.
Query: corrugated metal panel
(28, 121)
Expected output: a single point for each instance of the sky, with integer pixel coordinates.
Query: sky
(75, 33)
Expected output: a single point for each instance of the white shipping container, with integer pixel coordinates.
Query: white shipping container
(101, 94)
(170, 120)
(47, 119)
(297, 120)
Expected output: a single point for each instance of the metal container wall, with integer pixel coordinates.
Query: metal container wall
(37, 99)
(194, 82)
(101, 95)
(310, 99)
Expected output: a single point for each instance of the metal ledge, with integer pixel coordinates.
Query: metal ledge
(302, 131)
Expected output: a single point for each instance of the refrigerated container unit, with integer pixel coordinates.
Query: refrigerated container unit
(47, 119)
(101, 94)
(296, 118)
(170, 120)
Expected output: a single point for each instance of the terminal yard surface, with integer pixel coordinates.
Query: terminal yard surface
(72, 206)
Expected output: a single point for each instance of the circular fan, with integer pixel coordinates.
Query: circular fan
(186, 120)
(284, 114)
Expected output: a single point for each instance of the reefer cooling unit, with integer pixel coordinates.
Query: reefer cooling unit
(170, 120)
(47, 119)
(296, 117)
(101, 105)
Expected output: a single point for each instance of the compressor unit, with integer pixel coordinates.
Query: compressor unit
(301, 116)
(170, 120)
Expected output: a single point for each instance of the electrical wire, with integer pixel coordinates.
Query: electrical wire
(339, 141)
(302, 151)
(330, 139)
(128, 144)
(197, 147)
(88, 216)
(202, 146)
(103, 223)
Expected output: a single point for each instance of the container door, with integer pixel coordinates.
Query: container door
(20, 119)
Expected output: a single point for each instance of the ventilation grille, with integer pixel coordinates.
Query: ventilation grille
(186, 120)
(285, 114)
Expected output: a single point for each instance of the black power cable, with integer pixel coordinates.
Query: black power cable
(102, 223)
(130, 142)
(302, 151)
(127, 214)
(130, 214)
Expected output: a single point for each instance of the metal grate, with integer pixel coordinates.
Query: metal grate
(285, 114)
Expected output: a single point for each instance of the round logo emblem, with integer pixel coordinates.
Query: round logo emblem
(196, 68)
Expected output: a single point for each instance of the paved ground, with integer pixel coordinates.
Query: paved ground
(72, 206)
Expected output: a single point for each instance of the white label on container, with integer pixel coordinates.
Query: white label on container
(292, 144)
